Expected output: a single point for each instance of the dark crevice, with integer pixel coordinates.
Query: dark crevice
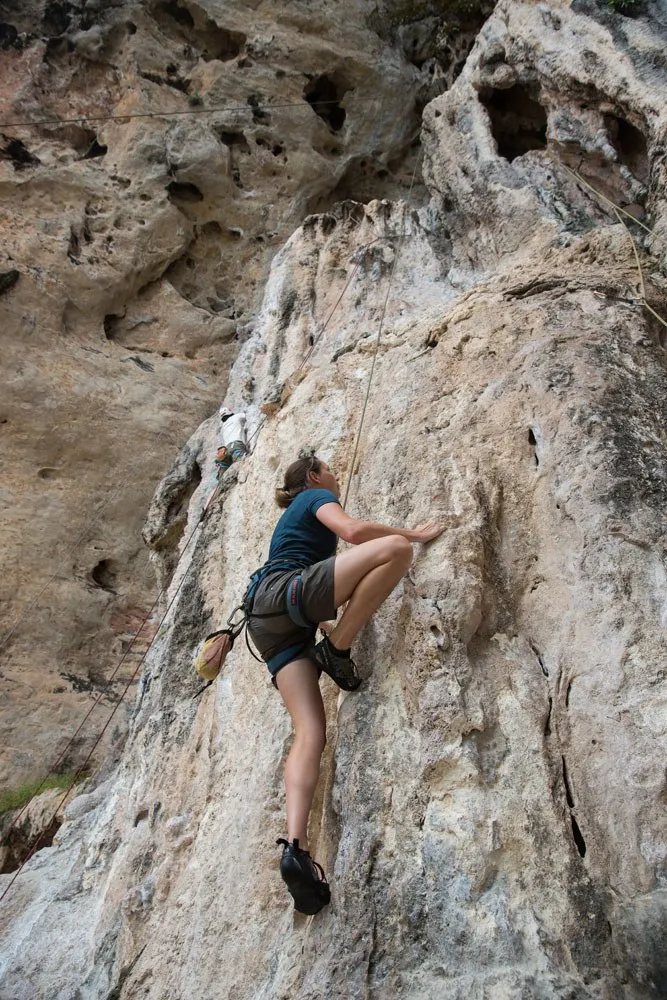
(547, 724)
(103, 575)
(110, 325)
(518, 122)
(20, 845)
(324, 96)
(15, 151)
(177, 82)
(233, 139)
(566, 781)
(259, 115)
(567, 694)
(578, 837)
(57, 17)
(185, 192)
(538, 656)
(532, 441)
(94, 150)
(8, 279)
(631, 146)
(189, 23)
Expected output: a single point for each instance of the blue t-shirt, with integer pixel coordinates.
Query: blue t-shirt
(299, 538)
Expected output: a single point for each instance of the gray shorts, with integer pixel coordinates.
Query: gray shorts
(278, 639)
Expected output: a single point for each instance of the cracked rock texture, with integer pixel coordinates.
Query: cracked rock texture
(491, 811)
(134, 255)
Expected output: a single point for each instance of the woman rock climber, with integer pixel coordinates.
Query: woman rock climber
(302, 583)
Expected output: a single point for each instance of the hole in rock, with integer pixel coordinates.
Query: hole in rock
(8, 279)
(111, 325)
(20, 156)
(131, 27)
(47, 473)
(323, 94)
(234, 139)
(74, 246)
(259, 115)
(532, 441)
(20, 843)
(178, 191)
(566, 781)
(94, 150)
(180, 14)
(9, 37)
(578, 837)
(190, 23)
(547, 724)
(630, 144)
(56, 18)
(104, 575)
(518, 122)
(141, 816)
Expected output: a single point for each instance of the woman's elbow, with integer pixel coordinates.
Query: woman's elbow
(354, 533)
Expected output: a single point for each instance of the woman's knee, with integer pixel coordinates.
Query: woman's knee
(401, 550)
(311, 739)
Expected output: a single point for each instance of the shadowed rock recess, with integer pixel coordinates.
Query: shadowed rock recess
(491, 812)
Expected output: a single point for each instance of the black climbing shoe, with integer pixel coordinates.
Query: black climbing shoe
(304, 878)
(337, 663)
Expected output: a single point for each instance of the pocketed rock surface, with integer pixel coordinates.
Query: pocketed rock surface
(133, 259)
(491, 812)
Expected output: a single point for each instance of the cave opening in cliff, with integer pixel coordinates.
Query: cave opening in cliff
(57, 17)
(18, 153)
(20, 843)
(630, 144)
(324, 94)
(188, 23)
(518, 122)
(178, 191)
(104, 575)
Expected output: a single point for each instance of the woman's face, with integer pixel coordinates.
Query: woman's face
(324, 479)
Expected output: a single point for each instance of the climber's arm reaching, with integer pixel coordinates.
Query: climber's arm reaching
(354, 531)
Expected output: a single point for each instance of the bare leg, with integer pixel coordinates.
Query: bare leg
(365, 575)
(300, 690)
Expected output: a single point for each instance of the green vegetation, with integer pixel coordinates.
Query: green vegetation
(195, 100)
(625, 6)
(14, 798)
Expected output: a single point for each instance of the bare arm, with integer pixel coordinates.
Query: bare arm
(354, 531)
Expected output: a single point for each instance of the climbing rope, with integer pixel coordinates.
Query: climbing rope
(620, 213)
(377, 338)
(219, 109)
(321, 333)
(82, 768)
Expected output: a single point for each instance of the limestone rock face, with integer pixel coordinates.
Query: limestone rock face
(491, 809)
(136, 240)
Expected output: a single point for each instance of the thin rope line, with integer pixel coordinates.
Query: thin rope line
(613, 204)
(189, 111)
(319, 336)
(125, 655)
(377, 339)
(83, 766)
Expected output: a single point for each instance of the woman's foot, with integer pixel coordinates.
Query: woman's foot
(337, 663)
(304, 878)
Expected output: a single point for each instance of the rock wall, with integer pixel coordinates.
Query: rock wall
(133, 260)
(491, 813)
